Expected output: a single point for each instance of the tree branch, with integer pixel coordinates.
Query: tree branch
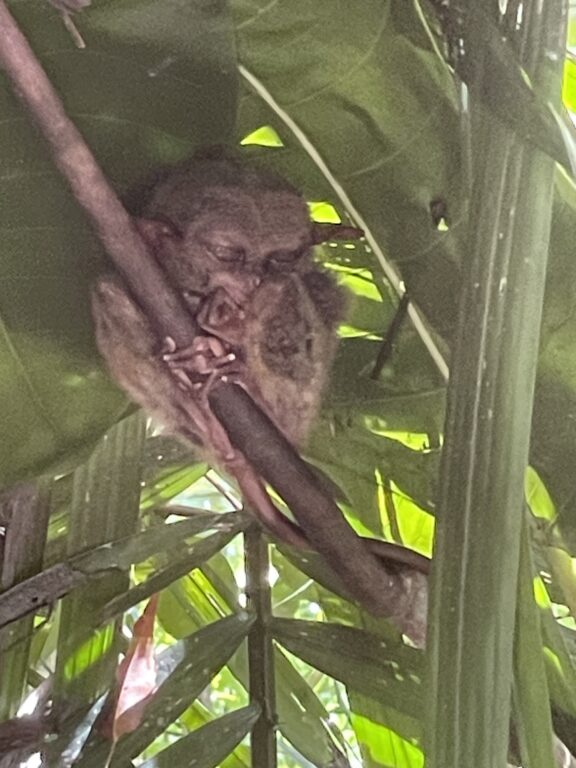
(380, 589)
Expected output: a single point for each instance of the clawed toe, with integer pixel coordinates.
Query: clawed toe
(202, 346)
(197, 366)
(183, 381)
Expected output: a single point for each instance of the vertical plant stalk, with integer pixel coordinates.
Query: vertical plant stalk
(260, 648)
(472, 615)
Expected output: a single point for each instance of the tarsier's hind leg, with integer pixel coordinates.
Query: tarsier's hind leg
(132, 353)
(120, 326)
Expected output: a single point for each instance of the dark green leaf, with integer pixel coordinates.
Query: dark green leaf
(209, 745)
(364, 662)
(383, 115)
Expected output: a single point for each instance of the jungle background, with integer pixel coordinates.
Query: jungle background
(363, 106)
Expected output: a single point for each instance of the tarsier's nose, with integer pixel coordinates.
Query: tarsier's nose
(245, 289)
(247, 283)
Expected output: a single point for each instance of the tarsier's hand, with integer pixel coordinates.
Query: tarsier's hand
(216, 351)
(224, 318)
(206, 356)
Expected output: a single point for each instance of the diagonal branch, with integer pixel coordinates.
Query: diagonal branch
(368, 580)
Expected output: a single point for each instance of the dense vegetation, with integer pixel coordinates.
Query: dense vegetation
(438, 128)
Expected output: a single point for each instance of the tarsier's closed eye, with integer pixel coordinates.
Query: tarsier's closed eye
(280, 260)
(228, 253)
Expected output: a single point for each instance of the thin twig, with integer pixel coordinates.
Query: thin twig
(390, 337)
(221, 490)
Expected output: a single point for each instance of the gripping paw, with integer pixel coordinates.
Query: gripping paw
(222, 317)
(200, 363)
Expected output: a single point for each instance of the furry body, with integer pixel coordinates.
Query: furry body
(236, 242)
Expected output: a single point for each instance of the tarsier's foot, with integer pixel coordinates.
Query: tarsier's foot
(205, 359)
(195, 369)
(212, 355)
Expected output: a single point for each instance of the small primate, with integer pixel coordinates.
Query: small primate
(236, 242)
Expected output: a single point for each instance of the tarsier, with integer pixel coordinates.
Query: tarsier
(236, 242)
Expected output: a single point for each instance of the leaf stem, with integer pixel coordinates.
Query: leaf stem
(260, 648)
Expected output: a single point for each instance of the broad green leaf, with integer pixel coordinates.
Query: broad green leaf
(153, 82)
(409, 395)
(355, 458)
(371, 95)
(382, 745)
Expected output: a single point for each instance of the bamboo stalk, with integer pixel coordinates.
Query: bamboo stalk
(488, 423)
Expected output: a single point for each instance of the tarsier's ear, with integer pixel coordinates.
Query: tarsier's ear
(322, 233)
(156, 232)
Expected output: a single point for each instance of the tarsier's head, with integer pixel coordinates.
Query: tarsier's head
(221, 223)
